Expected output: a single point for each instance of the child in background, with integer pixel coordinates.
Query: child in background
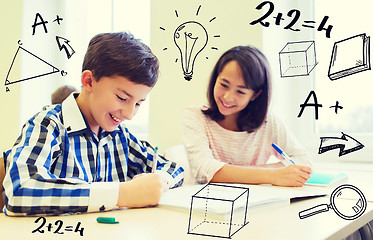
(62, 93)
(230, 140)
(78, 156)
(2, 175)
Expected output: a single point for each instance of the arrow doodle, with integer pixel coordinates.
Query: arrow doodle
(330, 143)
(63, 43)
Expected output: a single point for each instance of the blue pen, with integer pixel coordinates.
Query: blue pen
(279, 150)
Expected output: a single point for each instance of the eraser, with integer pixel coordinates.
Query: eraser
(106, 220)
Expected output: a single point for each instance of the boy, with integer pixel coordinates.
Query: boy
(78, 156)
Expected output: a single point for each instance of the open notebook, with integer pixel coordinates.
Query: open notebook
(260, 198)
(326, 179)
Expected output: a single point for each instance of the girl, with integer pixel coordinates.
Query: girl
(230, 140)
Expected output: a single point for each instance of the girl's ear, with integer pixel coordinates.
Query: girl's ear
(256, 95)
(87, 79)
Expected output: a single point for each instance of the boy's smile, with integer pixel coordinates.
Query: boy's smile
(110, 100)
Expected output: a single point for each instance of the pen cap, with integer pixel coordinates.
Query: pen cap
(277, 148)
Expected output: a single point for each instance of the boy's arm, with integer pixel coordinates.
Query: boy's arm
(140, 160)
(29, 186)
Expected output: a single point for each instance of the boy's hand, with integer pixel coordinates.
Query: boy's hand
(142, 191)
(291, 176)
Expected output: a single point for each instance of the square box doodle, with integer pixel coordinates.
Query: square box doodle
(218, 210)
(297, 59)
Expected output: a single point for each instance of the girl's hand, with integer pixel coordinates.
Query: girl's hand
(291, 176)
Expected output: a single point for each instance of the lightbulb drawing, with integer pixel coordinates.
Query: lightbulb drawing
(190, 38)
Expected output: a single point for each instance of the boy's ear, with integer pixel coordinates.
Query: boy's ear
(256, 95)
(87, 78)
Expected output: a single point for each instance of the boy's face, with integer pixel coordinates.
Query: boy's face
(113, 100)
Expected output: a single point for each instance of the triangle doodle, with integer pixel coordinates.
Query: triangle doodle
(36, 67)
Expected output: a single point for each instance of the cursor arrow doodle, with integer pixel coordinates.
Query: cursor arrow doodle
(330, 143)
(63, 43)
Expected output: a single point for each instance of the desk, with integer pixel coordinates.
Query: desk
(157, 223)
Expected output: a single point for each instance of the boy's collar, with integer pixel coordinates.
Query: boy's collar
(73, 118)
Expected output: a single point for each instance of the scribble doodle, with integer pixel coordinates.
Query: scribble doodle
(293, 14)
(356, 198)
(350, 56)
(58, 20)
(63, 44)
(331, 143)
(41, 22)
(57, 227)
(230, 201)
(190, 38)
(39, 68)
(336, 107)
(297, 59)
(315, 104)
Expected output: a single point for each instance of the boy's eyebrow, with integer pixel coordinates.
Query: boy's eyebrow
(240, 86)
(129, 95)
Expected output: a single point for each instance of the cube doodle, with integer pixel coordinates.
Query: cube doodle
(218, 210)
(297, 59)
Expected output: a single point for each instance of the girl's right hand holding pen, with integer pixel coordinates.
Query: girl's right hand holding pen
(292, 175)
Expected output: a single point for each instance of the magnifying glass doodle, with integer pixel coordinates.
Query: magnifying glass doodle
(350, 211)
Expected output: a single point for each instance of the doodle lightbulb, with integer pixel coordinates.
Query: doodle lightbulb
(190, 38)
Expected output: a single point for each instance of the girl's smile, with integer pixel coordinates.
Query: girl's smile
(226, 105)
(231, 94)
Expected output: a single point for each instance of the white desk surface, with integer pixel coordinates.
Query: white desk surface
(157, 223)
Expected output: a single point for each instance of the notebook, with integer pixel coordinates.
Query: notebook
(350, 56)
(326, 179)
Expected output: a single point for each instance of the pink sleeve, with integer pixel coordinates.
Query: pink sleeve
(203, 165)
(289, 144)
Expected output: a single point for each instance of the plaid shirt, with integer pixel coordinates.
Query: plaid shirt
(58, 165)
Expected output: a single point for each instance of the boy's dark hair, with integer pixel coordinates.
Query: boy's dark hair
(256, 74)
(110, 54)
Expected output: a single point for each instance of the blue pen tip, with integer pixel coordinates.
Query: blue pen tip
(276, 148)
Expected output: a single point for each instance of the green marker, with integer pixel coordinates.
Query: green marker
(106, 220)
